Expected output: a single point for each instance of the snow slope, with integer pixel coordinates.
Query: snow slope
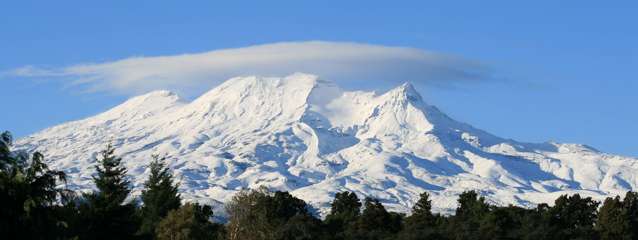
(303, 134)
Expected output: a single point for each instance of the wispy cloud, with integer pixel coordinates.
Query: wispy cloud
(346, 63)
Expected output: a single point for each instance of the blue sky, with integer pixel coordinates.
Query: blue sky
(565, 71)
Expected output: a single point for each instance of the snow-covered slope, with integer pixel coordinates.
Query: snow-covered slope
(305, 135)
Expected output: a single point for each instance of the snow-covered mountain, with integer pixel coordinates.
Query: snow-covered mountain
(303, 134)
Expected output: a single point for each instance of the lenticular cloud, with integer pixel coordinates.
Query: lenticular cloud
(347, 63)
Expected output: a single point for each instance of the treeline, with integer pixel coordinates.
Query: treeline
(34, 207)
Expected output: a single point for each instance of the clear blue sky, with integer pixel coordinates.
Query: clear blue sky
(568, 70)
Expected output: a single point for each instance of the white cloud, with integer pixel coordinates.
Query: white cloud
(347, 63)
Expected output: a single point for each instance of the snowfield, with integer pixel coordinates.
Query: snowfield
(303, 134)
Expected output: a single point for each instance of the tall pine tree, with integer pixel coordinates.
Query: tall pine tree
(105, 214)
(375, 222)
(111, 180)
(160, 195)
(422, 223)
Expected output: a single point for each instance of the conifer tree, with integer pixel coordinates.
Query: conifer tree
(613, 221)
(105, 209)
(422, 223)
(617, 219)
(423, 207)
(502, 223)
(572, 217)
(346, 204)
(534, 223)
(289, 217)
(301, 227)
(160, 195)
(469, 214)
(345, 209)
(630, 205)
(375, 222)
(471, 206)
(111, 180)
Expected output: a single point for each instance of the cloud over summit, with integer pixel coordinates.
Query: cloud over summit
(346, 63)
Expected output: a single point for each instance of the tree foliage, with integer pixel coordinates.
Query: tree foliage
(104, 210)
(572, 217)
(28, 194)
(160, 195)
(618, 219)
(422, 224)
(259, 214)
(345, 209)
(375, 222)
(471, 209)
(189, 222)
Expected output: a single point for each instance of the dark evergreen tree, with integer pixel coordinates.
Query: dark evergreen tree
(283, 206)
(613, 220)
(617, 219)
(28, 194)
(111, 180)
(469, 214)
(422, 224)
(287, 216)
(630, 205)
(301, 227)
(572, 217)
(68, 212)
(374, 223)
(502, 223)
(345, 209)
(189, 222)
(423, 207)
(160, 195)
(534, 224)
(105, 210)
(345, 204)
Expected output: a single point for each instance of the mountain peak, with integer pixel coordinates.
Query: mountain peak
(405, 92)
(253, 84)
(298, 78)
(303, 134)
(408, 87)
(408, 90)
(153, 96)
(154, 101)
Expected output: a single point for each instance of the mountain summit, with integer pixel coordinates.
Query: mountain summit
(305, 135)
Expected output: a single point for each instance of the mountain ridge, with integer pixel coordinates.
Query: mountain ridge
(303, 134)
